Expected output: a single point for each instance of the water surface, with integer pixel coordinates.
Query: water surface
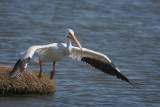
(126, 31)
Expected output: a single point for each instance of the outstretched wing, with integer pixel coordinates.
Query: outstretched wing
(97, 60)
(22, 63)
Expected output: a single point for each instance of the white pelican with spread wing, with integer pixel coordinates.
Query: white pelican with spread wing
(57, 51)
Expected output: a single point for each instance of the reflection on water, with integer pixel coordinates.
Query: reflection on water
(126, 31)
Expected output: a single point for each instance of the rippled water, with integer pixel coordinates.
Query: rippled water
(126, 31)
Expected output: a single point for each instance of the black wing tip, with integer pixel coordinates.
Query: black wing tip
(9, 78)
(108, 68)
(13, 76)
(14, 73)
(134, 84)
(124, 78)
(18, 68)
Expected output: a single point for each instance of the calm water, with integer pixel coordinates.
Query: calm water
(128, 32)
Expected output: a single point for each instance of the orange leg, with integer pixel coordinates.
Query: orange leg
(52, 73)
(40, 72)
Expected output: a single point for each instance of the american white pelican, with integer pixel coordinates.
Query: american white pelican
(57, 51)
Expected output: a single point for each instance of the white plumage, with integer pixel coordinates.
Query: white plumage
(76, 53)
(57, 51)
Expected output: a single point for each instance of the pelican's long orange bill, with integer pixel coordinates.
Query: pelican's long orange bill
(76, 41)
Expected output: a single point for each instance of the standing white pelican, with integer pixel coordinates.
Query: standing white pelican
(47, 53)
(57, 51)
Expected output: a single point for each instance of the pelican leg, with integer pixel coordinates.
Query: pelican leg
(40, 72)
(52, 73)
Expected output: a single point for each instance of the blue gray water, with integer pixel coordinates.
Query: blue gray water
(128, 32)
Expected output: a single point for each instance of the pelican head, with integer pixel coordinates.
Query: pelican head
(72, 37)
